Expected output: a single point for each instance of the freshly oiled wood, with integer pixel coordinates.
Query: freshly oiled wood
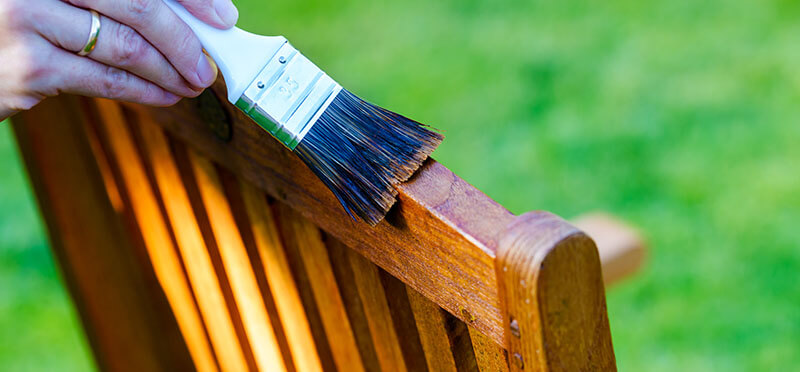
(231, 187)
(108, 287)
(342, 270)
(434, 240)
(460, 343)
(304, 238)
(281, 284)
(489, 355)
(100, 157)
(237, 267)
(186, 170)
(432, 333)
(552, 289)
(621, 247)
(404, 323)
(304, 288)
(157, 240)
(379, 318)
(195, 255)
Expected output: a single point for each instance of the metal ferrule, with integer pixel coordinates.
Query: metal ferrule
(288, 96)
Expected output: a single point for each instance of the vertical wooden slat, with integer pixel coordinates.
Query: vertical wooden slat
(279, 277)
(306, 240)
(404, 323)
(157, 240)
(231, 186)
(237, 266)
(340, 262)
(100, 157)
(154, 233)
(195, 255)
(460, 344)
(107, 286)
(304, 288)
(187, 175)
(432, 332)
(116, 185)
(489, 355)
(376, 308)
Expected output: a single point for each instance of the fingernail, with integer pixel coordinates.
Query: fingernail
(227, 12)
(212, 63)
(205, 71)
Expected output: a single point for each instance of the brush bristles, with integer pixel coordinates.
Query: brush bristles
(362, 151)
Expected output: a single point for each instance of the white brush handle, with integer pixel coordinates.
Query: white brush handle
(239, 55)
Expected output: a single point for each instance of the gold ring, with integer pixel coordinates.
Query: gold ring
(93, 32)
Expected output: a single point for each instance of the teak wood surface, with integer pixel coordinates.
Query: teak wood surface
(433, 239)
(230, 255)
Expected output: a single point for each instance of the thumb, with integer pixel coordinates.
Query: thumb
(218, 13)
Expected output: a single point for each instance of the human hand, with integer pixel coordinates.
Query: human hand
(144, 52)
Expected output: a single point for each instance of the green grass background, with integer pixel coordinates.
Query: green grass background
(680, 116)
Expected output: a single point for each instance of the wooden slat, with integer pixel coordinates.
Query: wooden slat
(343, 271)
(157, 239)
(108, 287)
(433, 240)
(460, 344)
(432, 333)
(404, 323)
(101, 158)
(237, 267)
(488, 354)
(304, 238)
(281, 284)
(553, 292)
(546, 277)
(379, 318)
(193, 250)
(198, 206)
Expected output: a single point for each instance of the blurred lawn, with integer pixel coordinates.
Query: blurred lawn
(680, 116)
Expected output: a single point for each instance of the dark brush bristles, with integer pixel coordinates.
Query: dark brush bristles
(362, 151)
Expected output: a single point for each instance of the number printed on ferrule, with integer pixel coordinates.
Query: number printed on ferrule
(291, 88)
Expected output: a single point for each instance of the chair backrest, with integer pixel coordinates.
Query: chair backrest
(190, 239)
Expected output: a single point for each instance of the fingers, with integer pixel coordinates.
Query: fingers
(83, 76)
(117, 45)
(153, 20)
(218, 13)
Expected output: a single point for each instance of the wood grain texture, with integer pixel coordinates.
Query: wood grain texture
(463, 279)
(156, 236)
(281, 284)
(404, 323)
(237, 267)
(305, 239)
(433, 239)
(490, 356)
(379, 318)
(460, 344)
(194, 252)
(432, 333)
(549, 275)
(108, 287)
(622, 249)
(342, 270)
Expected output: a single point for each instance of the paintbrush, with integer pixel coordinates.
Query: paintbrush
(358, 150)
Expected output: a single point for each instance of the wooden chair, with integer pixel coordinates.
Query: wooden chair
(191, 240)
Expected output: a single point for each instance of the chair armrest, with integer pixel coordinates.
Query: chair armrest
(621, 247)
